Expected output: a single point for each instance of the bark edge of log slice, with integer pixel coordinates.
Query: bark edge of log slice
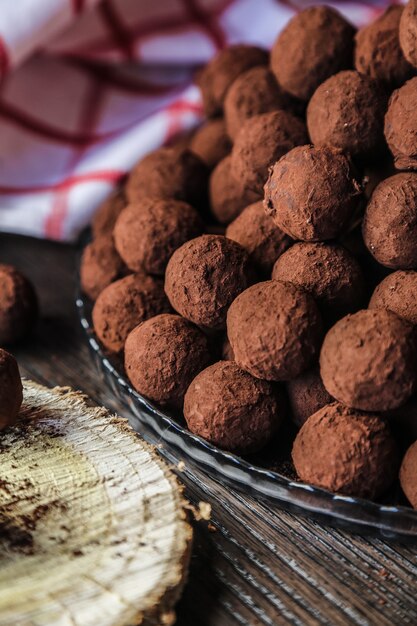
(93, 527)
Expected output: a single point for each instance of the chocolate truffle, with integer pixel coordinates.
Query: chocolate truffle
(378, 53)
(11, 391)
(18, 305)
(397, 293)
(346, 451)
(315, 44)
(328, 272)
(107, 213)
(227, 198)
(217, 76)
(163, 355)
(408, 475)
(307, 394)
(204, 276)
(169, 173)
(401, 126)
(233, 410)
(254, 92)
(390, 224)
(262, 140)
(258, 234)
(211, 142)
(275, 330)
(123, 305)
(100, 266)
(147, 233)
(347, 112)
(408, 32)
(368, 360)
(312, 193)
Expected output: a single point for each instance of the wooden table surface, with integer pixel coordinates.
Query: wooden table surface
(258, 565)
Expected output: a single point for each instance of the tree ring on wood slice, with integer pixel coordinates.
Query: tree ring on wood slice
(93, 528)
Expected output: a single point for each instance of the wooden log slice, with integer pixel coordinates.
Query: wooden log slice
(93, 529)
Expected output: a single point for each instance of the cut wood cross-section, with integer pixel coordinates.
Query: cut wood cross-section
(93, 528)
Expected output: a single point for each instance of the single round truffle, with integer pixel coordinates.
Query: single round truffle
(204, 276)
(390, 224)
(147, 233)
(163, 355)
(408, 475)
(312, 193)
(227, 197)
(397, 293)
(233, 410)
(123, 305)
(18, 305)
(211, 142)
(378, 53)
(217, 76)
(169, 173)
(275, 330)
(408, 32)
(262, 140)
(107, 213)
(346, 451)
(11, 391)
(260, 237)
(328, 272)
(100, 265)
(347, 112)
(307, 394)
(401, 126)
(315, 44)
(368, 360)
(254, 92)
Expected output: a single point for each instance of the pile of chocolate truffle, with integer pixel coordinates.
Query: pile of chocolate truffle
(264, 270)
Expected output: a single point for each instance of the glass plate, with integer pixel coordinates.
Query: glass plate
(264, 476)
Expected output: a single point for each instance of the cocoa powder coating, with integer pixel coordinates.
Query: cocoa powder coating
(227, 197)
(163, 355)
(11, 390)
(368, 360)
(397, 293)
(307, 394)
(217, 76)
(401, 126)
(123, 305)
(311, 193)
(315, 44)
(389, 226)
(204, 276)
(347, 112)
(408, 32)
(254, 92)
(328, 272)
(169, 173)
(211, 142)
(378, 53)
(228, 407)
(346, 451)
(100, 265)
(261, 238)
(107, 213)
(18, 305)
(275, 330)
(408, 475)
(147, 233)
(262, 140)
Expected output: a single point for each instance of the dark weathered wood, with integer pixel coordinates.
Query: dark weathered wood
(261, 565)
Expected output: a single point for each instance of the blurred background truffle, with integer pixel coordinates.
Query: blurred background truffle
(11, 390)
(100, 265)
(18, 305)
(228, 198)
(401, 126)
(211, 142)
(408, 32)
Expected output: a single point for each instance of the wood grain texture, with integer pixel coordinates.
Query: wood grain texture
(261, 565)
(93, 527)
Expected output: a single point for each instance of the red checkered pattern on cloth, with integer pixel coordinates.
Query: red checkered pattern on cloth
(90, 86)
